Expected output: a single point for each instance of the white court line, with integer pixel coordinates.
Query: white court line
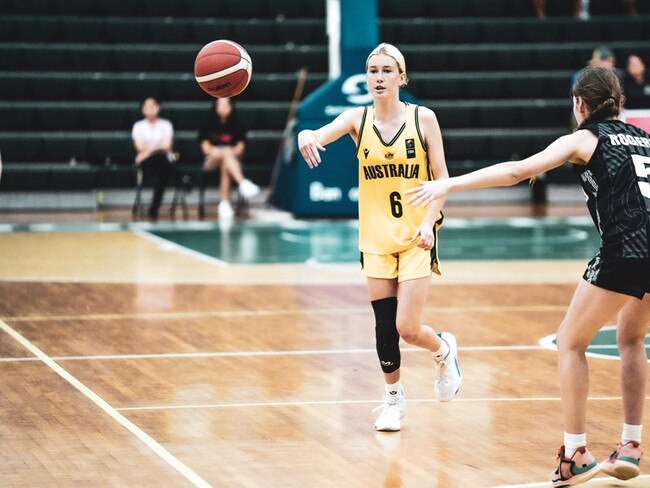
(353, 402)
(547, 343)
(269, 312)
(152, 444)
(607, 482)
(308, 352)
(187, 315)
(166, 244)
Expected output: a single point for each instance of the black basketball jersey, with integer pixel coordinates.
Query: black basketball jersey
(617, 187)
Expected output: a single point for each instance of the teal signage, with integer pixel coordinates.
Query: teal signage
(331, 189)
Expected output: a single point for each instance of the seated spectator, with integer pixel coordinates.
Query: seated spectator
(153, 140)
(637, 84)
(222, 144)
(602, 57)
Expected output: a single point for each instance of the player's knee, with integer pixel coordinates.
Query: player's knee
(629, 336)
(567, 340)
(386, 334)
(409, 333)
(408, 329)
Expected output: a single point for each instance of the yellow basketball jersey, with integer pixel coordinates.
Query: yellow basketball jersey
(386, 171)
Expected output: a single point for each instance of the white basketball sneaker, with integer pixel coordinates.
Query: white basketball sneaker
(248, 189)
(225, 210)
(392, 411)
(448, 376)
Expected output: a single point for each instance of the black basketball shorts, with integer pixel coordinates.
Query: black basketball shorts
(622, 275)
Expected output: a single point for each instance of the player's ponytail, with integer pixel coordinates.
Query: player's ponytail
(600, 90)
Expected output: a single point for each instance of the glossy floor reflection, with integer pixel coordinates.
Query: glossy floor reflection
(251, 382)
(336, 241)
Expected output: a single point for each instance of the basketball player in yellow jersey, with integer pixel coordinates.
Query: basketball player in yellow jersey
(397, 144)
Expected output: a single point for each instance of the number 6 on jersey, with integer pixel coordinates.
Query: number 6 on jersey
(396, 204)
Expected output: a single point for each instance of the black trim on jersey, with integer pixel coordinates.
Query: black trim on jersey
(417, 128)
(435, 261)
(399, 133)
(424, 146)
(363, 122)
(433, 252)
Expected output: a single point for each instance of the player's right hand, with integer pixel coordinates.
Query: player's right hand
(309, 147)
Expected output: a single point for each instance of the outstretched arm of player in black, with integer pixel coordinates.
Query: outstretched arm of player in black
(576, 148)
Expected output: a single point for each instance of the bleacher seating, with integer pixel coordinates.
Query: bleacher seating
(72, 74)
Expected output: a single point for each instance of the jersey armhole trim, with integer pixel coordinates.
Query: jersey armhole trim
(417, 127)
(363, 123)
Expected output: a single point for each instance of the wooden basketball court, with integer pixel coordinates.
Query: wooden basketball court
(128, 360)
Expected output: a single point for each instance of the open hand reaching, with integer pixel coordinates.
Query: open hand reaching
(427, 192)
(309, 147)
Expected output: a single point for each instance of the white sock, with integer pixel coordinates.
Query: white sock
(442, 352)
(572, 442)
(631, 433)
(395, 390)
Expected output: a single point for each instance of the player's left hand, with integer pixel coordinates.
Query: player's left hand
(427, 192)
(427, 238)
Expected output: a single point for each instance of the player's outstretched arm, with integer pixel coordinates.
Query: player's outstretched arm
(576, 148)
(310, 142)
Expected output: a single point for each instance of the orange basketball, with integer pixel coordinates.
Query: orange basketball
(223, 68)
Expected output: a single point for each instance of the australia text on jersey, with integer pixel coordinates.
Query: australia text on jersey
(391, 170)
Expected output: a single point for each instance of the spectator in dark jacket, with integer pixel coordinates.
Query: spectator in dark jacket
(222, 144)
(637, 84)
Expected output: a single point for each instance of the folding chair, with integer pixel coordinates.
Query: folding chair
(181, 184)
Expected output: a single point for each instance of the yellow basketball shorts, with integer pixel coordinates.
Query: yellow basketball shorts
(411, 264)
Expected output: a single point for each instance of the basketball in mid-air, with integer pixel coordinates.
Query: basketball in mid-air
(223, 68)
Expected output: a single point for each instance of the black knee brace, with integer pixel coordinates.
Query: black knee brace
(386, 333)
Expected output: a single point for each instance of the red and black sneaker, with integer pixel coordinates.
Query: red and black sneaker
(579, 468)
(624, 461)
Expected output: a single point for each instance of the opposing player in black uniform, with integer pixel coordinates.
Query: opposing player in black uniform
(613, 161)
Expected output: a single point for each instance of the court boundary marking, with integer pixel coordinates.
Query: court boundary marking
(303, 403)
(547, 343)
(305, 352)
(290, 225)
(270, 312)
(166, 244)
(592, 482)
(146, 231)
(145, 438)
